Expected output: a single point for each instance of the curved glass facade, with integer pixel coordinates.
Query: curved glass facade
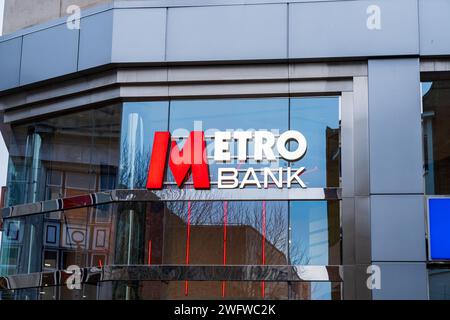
(109, 148)
(190, 233)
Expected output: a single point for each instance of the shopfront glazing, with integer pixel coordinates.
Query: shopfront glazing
(109, 148)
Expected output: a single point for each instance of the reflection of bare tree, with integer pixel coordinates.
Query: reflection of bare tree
(133, 175)
(248, 214)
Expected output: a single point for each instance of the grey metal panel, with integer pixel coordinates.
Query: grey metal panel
(347, 143)
(71, 102)
(60, 90)
(361, 275)
(434, 27)
(229, 89)
(402, 281)
(348, 231)
(10, 54)
(339, 28)
(395, 126)
(361, 136)
(139, 35)
(95, 40)
(196, 3)
(362, 230)
(153, 83)
(330, 70)
(398, 228)
(229, 72)
(49, 53)
(227, 32)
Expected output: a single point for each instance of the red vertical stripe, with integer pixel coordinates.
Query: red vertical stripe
(100, 263)
(225, 222)
(149, 252)
(263, 284)
(188, 245)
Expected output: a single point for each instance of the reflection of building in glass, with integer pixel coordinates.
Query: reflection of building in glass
(436, 116)
(64, 156)
(333, 149)
(154, 233)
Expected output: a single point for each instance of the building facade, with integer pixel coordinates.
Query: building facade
(365, 82)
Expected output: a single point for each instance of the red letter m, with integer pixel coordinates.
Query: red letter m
(191, 158)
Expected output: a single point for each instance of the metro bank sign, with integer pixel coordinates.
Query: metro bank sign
(192, 159)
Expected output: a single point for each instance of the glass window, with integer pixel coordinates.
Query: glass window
(315, 233)
(226, 114)
(436, 132)
(21, 245)
(140, 121)
(318, 119)
(64, 155)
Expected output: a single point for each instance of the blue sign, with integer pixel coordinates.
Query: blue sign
(439, 226)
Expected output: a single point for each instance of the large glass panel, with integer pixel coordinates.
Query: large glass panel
(226, 114)
(140, 121)
(315, 238)
(315, 233)
(318, 119)
(64, 155)
(436, 132)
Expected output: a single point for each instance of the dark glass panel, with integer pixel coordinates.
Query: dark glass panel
(436, 132)
(439, 284)
(129, 246)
